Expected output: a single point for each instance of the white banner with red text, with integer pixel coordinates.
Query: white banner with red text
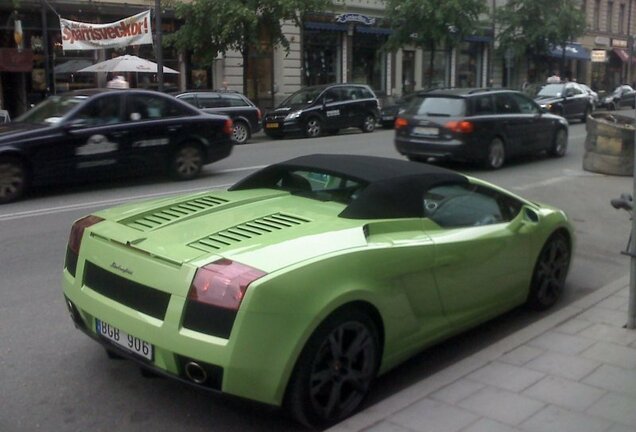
(134, 30)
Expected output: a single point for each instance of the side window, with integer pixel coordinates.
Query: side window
(101, 111)
(151, 107)
(211, 101)
(452, 206)
(191, 99)
(331, 95)
(525, 104)
(233, 100)
(483, 105)
(365, 93)
(504, 104)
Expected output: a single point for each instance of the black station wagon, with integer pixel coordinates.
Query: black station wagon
(82, 135)
(479, 125)
(315, 110)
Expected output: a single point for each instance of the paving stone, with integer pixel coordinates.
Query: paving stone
(624, 292)
(618, 408)
(428, 415)
(555, 419)
(501, 405)
(605, 316)
(506, 376)
(563, 365)
(386, 426)
(487, 425)
(457, 391)
(565, 393)
(522, 355)
(573, 326)
(621, 428)
(607, 333)
(613, 302)
(614, 378)
(614, 354)
(562, 343)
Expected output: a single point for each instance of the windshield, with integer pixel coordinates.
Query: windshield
(51, 110)
(437, 106)
(302, 97)
(552, 90)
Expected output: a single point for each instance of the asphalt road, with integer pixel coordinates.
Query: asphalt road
(53, 378)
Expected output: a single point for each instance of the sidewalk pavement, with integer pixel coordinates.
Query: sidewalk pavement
(572, 371)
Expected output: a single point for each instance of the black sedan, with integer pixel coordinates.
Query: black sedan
(622, 96)
(243, 112)
(568, 100)
(82, 135)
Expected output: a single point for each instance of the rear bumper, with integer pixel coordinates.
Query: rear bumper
(450, 149)
(219, 150)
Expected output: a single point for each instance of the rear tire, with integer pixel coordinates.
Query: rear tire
(550, 271)
(335, 369)
(13, 179)
(313, 127)
(496, 154)
(186, 162)
(241, 132)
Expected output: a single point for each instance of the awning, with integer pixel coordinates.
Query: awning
(573, 51)
(314, 25)
(373, 30)
(623, 55)
(13, 61)
(478, 38)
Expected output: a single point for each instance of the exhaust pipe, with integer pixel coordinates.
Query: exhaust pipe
(195, 372)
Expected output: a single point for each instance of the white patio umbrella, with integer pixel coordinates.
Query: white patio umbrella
(126, 63)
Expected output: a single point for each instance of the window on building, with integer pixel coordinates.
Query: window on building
(621, 19)
(610, 17)
(321, 57)
(597, 15)
(434, 68)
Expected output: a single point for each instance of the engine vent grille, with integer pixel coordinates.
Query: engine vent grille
(247, 230)
(165, 215)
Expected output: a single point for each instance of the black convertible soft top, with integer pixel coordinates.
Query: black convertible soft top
(394, 188)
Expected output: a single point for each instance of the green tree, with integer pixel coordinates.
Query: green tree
(533, 27)
(432, 24)
(210, 27)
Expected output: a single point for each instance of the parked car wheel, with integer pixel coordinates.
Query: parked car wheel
(313, 127)
(368, 125)
(187, 162)
(241, 132)
(335, 369)
(496, 155)
(13, 179)
(548, 278)
(560, 143)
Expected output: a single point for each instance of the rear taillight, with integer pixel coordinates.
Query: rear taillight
(259, 114)
(77, 231)
(401, 122)
(228, 127)
(223, 283)
(460, 126)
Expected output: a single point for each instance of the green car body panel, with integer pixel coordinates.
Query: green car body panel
(420, 282)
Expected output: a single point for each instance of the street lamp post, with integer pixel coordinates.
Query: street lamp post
(158, 47)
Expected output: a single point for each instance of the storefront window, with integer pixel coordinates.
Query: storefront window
(369, 60)
(408, 71)
(321, 57)
(259, 78)
(468, 64)
(434, 67)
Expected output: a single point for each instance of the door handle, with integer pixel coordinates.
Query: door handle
(120, 134)
(174, 128)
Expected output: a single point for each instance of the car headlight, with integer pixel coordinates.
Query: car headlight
(293, 115)
(607, 100)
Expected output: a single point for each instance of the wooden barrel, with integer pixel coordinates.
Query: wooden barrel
(609, 146)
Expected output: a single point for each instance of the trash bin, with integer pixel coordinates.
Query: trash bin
(609, 146)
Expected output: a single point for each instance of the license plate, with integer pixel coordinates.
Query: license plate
(271, 125)
(124, 340)
(431, 131)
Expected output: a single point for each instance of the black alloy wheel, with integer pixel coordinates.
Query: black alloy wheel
(550, 271)
(13, 179)
(313, 127)
(335, 369)
(241, 132)
(368, 125)
(496, 154)
(560, 143)
(186, 162)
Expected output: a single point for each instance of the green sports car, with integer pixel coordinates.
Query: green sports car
(305, 280)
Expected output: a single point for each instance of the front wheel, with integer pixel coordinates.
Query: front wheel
(335, 369)
(13, 179)
(550, 270)
(186, 162)
(560, 143)
(368, 125)
(313, 127)
(496, 154)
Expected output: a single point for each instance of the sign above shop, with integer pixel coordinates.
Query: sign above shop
(599, 56)
(619, 43)
(355, 17)
(602, 40)
(134, 30)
